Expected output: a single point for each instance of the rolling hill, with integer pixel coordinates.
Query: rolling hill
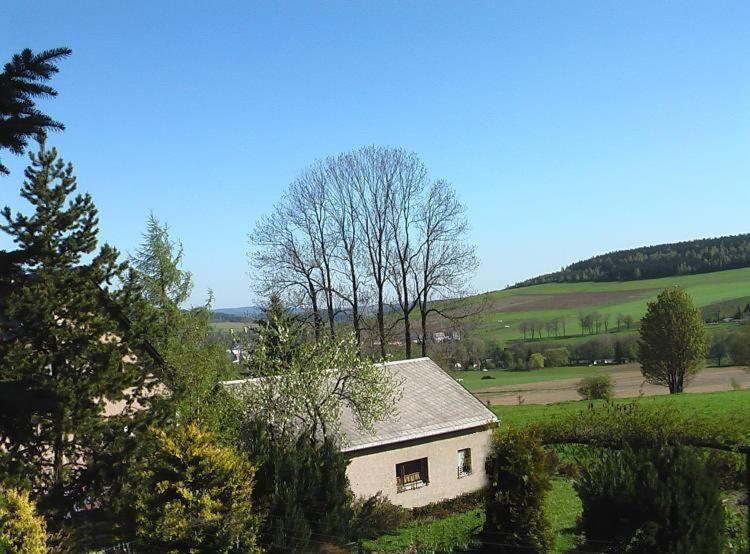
(650, 262)
(504, 311)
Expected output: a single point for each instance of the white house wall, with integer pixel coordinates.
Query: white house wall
(375, 471)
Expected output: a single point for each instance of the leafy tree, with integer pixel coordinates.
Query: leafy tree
(516, 514)
(22, 531)
(70, 349)
(21, 83)
(192, 495)
(316, 383)
(661, 499)
(719, 346)
(672, 344)
(536, 361)
(279, 334)
(507, 359)
(738, 345)
(556, 357)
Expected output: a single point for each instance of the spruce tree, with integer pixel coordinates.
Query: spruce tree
(70, 347)
(21, 82)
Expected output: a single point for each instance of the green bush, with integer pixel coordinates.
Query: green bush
(301, 487)
(596, 387)
(375, 516)
(21, 530)
(193, 495)
(661, 499)
(516, 505)
(536, 361)
(445, 508)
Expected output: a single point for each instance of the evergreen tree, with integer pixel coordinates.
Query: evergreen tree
(69, 349)
(194, 366)
(22, 531)
(21, 82)
(302, 489)
(192, 495)
(663, 499)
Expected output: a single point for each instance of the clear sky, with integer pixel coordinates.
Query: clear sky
(568, 128)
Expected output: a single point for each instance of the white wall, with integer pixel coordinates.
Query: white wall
(376, 471)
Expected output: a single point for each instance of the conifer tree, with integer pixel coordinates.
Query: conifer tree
(194, 366)
(21, 82)
(69, 349)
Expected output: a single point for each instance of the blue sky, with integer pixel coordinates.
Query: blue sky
(568, 128)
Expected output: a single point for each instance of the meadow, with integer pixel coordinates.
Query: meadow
(501, 312)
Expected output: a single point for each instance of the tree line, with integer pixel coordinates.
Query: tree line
(650, 262)
(360, 236)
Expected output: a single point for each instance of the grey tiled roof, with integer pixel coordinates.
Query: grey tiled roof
(432, 403)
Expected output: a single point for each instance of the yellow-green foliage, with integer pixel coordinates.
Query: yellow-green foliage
(536, 361)
(673, 340)
(21, 530)
(194, 495)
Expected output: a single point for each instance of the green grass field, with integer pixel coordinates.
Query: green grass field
(476, 380)
(502, 311)
(709, 405)
(461, 529)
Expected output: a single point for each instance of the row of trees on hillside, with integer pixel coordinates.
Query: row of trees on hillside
(362, 234)
(591, 323)
(664, 260)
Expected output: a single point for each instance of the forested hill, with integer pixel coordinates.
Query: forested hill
(663, 260)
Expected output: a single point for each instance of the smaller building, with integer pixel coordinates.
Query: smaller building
(433, 449)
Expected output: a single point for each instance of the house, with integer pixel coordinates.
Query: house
(432, 450)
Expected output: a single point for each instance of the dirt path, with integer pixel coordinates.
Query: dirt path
(628, 382)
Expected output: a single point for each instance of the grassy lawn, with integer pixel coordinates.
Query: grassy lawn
(426, 535)
(458, 530)
(705, 405)
(474, 380)
(564, 508)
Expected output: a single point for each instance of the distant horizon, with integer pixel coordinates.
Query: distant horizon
(568, 130)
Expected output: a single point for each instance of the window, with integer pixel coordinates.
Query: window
(464, 462)
(411, 475)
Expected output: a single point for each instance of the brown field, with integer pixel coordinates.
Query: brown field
(573, 300)
(628, 383)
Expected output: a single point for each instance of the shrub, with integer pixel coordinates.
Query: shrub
(445, 508)
(301, 486)
(375, 516)
(596, 387)
(536, 361)
(661, 499)
(516, 516)
(193, 495)
(21, 530)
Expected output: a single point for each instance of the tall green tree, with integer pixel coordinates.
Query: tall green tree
(672, 346)
(22, 81)
(194, 365)
(70, 350)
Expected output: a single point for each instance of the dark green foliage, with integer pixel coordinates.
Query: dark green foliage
(650, 262)
(596, 387)
(71, 337)
(663, 499)
(445, 508)
(738, 345)
(516, 513)
(21, 83)
(301, 488)
(375, 516)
